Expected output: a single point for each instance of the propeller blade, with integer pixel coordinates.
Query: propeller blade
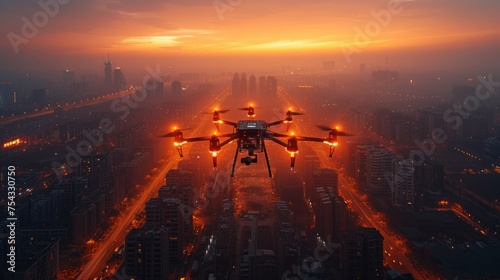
(340, 133)
(297, 114)
(324, 127)
(171, 134)
(223, 111)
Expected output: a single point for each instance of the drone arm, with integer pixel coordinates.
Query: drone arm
(279, 142)
(275, 123)
(228, 123)
(227, 141)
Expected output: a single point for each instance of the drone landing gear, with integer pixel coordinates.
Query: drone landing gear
(332, 149)
(179, 150)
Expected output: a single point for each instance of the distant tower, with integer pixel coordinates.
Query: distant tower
(252, 84)
(176, 88)
(119, 82)
(108, 74)
(236, 83)
(243, 83)
(262, 85)
(272, 85)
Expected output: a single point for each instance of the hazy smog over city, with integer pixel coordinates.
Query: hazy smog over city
(238, 139)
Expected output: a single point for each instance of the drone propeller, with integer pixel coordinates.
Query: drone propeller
(296, 113)
(173, 133)
(219, 111)
(326, 128)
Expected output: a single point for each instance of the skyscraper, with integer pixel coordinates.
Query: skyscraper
(119, 81)
(262, 85)
(361, 254)
(146, 253)
(169, 212)
(108, 75)
(403, 183)
(176, 88)
(378, 167)
(252, 85)
(235, 84)
(243, 83)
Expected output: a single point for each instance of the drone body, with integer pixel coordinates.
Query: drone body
(251, 136)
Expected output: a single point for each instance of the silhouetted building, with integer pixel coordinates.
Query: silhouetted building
(326, 177)
(403, 186)
(235, 84)
(330, 211)
(362, 254)
(431, 175)
(97, 168)
(262, 85)
(243, 83)
(84, 223)
(39, 260)
(8, 96)
(146, 253)
(176, 88)
(272, 85)
(378, 167)
(108, 75)
(119, 81)
(171, 213)
(252, 84)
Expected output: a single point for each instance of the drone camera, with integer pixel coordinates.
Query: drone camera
(249, 160)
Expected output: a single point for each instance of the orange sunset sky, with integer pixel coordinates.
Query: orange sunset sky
(225, 34)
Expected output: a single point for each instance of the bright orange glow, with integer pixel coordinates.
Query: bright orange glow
(335, 144)
(214, 154)
(12, 143)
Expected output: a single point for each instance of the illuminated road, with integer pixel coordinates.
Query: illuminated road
(118, 235)
(395, 256)
(88, 102)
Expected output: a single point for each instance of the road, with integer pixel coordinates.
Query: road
(117, 237)
(82, 103)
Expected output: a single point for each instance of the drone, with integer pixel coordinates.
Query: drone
(251, 136)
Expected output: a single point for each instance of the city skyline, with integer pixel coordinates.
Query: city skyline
(225, 34)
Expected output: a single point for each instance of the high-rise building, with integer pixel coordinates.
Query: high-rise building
(119, 81)
(360, 163)
(252, 84)
(84, 222)
(378, 169)
(243, 83)
(311, 163)
(362, 254)
(108, 75)
(176, 88)
(272, 85)
(169, 212)
(97, 168)
(403, 183)
(8, 96)
(235, 84)
(178, 177)
(262, 85)
(146, 253)
(431, 175)
(326, 177)
(330, 211)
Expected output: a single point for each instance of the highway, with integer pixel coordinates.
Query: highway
(117, 236)
(82, 103)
